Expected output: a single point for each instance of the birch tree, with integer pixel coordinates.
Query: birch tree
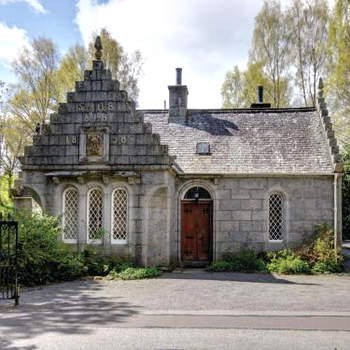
(272, 40)
(310, 20)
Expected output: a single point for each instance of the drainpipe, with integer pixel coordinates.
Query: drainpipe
(337, 212)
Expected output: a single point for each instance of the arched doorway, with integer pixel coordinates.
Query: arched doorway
(196, 226)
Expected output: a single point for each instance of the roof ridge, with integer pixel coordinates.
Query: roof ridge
(236, 110)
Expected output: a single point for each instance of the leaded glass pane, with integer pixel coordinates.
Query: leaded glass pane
(276, 217)
(95, 214)
(70, 215)
(120, 215)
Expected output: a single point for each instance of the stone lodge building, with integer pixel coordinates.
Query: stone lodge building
(180, 184)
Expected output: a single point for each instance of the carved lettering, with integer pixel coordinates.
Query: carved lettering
(96, 117)
(122, 139)
(114, 140)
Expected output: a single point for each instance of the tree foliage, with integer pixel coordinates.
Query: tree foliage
(44, 78)
(271, 48)
(287, 57)
(339, 68)
(71, 69)
(240, 87)
(310, 20)
(125, 67)
(35, 95)
(346, 192)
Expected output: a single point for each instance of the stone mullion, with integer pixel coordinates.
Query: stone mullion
(107, 202)
(82, 218)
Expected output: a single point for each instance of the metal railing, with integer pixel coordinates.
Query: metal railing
(9, 288)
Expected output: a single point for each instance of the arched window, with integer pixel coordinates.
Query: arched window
(120, 216)
(70, 215)
(276, 217)
(95, 215)
(197, 193)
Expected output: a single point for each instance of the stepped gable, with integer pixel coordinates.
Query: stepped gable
(97, 128)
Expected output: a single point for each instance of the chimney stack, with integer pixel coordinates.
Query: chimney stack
(260, 103)
(178, 99)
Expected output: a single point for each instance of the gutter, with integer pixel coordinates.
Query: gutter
(337, 212)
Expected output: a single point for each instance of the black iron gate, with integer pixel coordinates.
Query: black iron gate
(8, 259)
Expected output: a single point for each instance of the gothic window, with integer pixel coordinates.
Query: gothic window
(120, 216)
(276, 217)
(70, 215)
(95, 215)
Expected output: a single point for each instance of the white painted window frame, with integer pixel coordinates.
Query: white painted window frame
(120, 241)
(88, 240)
(70, 188)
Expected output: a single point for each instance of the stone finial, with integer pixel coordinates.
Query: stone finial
(98, 47)
(320, 88)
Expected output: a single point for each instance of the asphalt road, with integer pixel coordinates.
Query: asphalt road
(189, 310)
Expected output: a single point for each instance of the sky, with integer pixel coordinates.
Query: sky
(206, 38)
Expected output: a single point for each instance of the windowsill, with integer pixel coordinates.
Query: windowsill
(119, 242)
(70, 241)
(94, 241)
(276, 241)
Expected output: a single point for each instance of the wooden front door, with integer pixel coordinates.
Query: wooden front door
(196, 231)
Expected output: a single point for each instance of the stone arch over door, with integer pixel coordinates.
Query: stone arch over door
(156, 246)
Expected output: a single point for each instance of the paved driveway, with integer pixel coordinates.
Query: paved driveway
(165, 313)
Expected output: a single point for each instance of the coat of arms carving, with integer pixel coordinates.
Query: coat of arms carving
(94, 144)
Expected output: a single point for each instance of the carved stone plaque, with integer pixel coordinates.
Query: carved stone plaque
(94, 144)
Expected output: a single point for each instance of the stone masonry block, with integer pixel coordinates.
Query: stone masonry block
(251, 204)
(253, 183)
(310, 203)
(259, 215)
(229, 226)
(242, 215)
(251, 226)
(223, 194)
(240, 194)
(257, 194)
(232, 204)
(223, 215)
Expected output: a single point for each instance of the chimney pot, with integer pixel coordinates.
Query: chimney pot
(260, 94)
(178, 76)
(260, 103)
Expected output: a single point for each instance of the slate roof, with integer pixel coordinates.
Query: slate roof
(247, 141)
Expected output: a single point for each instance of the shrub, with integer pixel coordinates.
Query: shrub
(326, 267)
(320, 246)
(135, 273)
(39, 252)
(42, 258)
(242, 261)
(245, 261)
(97, 264)
(288, 265)
(219, 266)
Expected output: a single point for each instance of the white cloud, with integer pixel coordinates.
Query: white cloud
(204, 37)
(11, 40)
(35, 4)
